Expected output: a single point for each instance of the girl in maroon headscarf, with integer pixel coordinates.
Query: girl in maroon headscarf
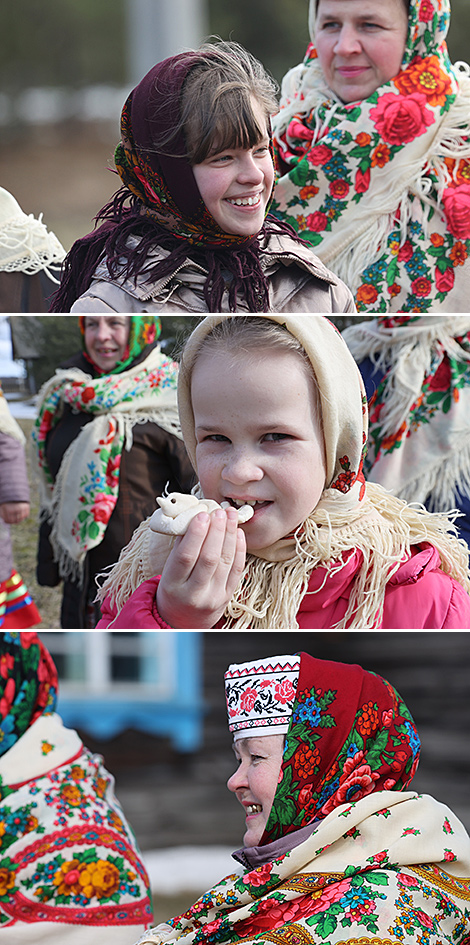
(189, 229)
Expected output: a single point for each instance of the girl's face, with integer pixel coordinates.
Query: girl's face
(259, 438)
(360, 44)
(236, 184)
(106, 338)
(255, 781)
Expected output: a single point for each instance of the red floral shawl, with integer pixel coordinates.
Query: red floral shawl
(381, 187)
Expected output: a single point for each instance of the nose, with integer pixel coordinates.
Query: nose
(238, 779)
(241, 467)
(104, 330)
(249, 169)
(348, 41)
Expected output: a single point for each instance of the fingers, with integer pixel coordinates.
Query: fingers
(213, 545)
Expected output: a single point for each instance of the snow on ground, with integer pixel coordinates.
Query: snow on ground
(187, 869)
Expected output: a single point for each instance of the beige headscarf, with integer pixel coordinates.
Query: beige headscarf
(350, 515)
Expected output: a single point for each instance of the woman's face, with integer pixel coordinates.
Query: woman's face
(360, 44)
(106, 338)
(255, 781)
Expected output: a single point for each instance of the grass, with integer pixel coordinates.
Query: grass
(24, 541)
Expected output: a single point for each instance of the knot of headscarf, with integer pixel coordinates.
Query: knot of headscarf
(28, 685)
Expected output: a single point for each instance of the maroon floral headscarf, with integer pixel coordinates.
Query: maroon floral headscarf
(165, 207)
(350, 734)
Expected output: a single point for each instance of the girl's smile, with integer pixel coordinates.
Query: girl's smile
(259, 438)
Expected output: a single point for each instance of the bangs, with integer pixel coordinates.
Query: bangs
(232, 120)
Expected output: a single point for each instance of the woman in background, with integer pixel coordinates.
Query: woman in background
(108, 442)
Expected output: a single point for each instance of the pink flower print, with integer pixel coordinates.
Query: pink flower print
(112, 471)
(357, 781)
(449, 856)
(401, 118)
(426, 11)
(447, 827)
(456, 200)
(259, 876)
(407, 880)
(102, 508)
(248, 700)
(316, 221)
(425, 920)
(320, 154)
(284, 691)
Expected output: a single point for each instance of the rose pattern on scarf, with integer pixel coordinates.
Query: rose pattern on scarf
(357, 145)
(333, 754)
(441, 388)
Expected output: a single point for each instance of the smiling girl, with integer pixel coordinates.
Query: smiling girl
(273, 414)
(189, 230)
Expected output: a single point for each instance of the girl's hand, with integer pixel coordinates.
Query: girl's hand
(14, 512)
(202, 571)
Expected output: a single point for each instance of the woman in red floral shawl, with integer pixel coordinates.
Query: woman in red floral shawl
(337, 849)
(70, 869)
(373, 152)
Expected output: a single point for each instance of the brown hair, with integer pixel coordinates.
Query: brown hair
(218, 102)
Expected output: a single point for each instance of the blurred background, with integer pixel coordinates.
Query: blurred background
(153, 704)
(66, 67)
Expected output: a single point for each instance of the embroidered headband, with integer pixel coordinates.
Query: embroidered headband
(260, 696)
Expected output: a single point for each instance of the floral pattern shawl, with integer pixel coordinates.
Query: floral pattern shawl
(419, 425)
(381, 187)
(80, 502)
(382, 865)
(68, 858)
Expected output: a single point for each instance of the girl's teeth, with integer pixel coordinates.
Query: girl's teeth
(245, 201)
(254, 809)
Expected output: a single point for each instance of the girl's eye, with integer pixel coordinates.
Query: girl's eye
(276, 437)
(217, 438)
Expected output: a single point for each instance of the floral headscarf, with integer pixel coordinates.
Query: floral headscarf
(165, 209)
(381, 187)
(144, 332)
(350, 734)
(28, 685)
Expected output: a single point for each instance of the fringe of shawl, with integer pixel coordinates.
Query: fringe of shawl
(418, 349)
(142, 558)
(270, 593)
(352, 257)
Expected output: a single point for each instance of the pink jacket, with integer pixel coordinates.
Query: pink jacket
(418, 597)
